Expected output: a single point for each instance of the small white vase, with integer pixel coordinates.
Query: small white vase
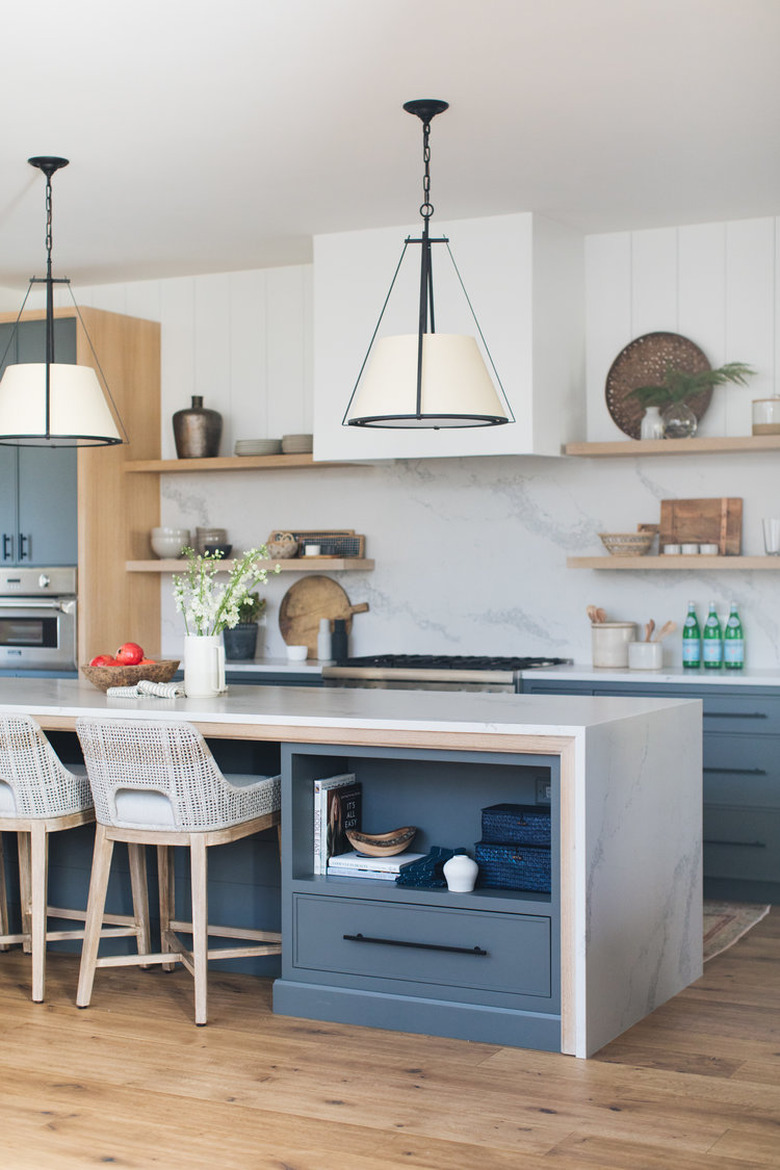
(652, 425)
(460, 873)
(204, 666)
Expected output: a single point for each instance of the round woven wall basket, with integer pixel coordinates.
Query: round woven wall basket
(644, 362)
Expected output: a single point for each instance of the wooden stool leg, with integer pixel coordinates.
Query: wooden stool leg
(200, 923)
(3, 899)
(98, 886)
(140, 886)
(165, 880)
(25, 893)
(39, 875)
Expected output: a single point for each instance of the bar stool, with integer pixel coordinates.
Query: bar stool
(40, 796)
(157, 783)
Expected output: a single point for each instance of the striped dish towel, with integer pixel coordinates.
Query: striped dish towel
(170, 690)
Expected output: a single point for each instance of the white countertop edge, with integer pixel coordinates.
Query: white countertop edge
(675, 676)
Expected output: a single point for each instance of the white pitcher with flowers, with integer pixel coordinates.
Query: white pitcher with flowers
(210, 606)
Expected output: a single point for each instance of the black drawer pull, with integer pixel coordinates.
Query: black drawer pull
(397, 942)
(736, 771)
(744, 844)
(735, 715)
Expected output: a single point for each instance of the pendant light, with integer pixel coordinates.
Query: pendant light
(427, 379)
(50, 403)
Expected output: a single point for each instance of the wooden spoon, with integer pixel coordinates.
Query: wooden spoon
(666, 628)
(592, 613)
(601, 615)
(649, 630)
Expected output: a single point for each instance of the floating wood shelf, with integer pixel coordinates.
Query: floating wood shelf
(696, 446)
(663, 562)
(294, 565)
(228, 463)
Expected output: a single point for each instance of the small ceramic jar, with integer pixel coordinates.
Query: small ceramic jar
(460, 873)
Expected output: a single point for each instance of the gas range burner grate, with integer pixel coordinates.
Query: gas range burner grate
(451, 662)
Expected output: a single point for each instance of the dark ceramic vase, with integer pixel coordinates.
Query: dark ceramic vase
(241, 641)
(197, 431)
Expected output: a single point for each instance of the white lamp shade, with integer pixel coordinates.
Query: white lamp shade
(457, 389)
(78, 413)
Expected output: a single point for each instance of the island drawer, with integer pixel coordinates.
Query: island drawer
(741, 714)
(742, 843)
(429, 945)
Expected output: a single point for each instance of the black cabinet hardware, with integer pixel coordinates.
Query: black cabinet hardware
(743, 844)
(734, 715)
(397, 942)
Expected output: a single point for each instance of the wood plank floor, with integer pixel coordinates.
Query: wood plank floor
(132, 1083)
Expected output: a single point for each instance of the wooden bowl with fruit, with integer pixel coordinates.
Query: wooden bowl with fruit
(127, 667)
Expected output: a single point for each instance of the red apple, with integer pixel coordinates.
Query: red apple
(129, 654)
(103, 660)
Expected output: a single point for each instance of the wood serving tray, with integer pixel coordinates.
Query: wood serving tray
(709, 521)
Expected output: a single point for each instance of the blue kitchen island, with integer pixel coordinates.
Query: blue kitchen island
(618, 933)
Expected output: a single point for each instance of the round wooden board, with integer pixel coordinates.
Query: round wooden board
(306, 602)
(644, 362)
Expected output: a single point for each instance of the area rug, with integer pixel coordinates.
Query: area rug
(726, 922)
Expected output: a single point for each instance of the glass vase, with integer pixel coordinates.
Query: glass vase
(679, 421)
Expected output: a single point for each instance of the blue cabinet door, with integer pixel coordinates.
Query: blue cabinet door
(38, 504)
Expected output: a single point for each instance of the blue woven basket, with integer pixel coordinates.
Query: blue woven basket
(513, 867)
(521, 824)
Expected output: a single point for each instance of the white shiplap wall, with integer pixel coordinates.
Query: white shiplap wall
(714, 283)
(471, 552)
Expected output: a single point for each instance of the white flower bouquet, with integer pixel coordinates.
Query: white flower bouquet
(209, 606)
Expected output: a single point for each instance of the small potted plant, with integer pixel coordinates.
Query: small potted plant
(241, 640)
(678, 386)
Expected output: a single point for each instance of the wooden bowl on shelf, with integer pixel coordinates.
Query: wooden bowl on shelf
(382, 844)
(104, 677)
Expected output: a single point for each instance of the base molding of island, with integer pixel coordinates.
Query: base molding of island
(434, 1017)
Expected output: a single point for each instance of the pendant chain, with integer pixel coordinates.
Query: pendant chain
(426, 210)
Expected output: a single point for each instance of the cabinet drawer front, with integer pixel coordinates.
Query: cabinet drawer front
(424, 944)
(741, 769)
(742, 715)
(742, 843)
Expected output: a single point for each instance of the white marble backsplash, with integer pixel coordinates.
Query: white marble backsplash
(471, 553)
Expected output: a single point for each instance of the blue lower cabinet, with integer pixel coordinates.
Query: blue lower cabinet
(483, 965)
(741, 780)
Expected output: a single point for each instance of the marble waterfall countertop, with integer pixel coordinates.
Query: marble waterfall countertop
(630, 808)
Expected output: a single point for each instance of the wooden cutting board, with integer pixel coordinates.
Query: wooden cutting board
(306, 602)
(709, 521)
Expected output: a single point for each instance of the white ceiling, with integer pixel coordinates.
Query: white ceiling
(209, 137)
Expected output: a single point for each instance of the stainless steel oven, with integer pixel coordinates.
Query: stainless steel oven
(38, 619)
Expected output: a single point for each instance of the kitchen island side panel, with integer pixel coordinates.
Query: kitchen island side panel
(638, 883)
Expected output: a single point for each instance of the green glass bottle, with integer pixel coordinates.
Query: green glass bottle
(691, 640)
(733, 641)
(712, 641)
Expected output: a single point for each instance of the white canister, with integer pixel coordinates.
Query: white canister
(460, 873)
(610, 643)
(645, 655)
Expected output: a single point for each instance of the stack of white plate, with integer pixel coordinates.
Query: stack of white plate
(258, 446)
(297, 444)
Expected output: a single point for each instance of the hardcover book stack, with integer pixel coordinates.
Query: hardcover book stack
(359, 865)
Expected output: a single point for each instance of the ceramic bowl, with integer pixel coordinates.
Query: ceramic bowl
(169, 542)
(297, 653)
(224, 549)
